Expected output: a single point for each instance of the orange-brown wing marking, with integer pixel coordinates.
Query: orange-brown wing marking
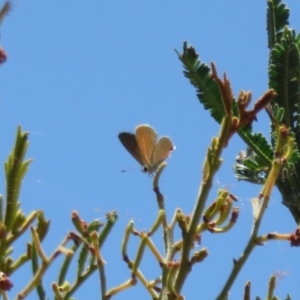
(146, 140)
(162, 150)
(129, 142)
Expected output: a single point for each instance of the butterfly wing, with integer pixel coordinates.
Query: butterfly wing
(146, 139)
(130, 143)
(162, 150)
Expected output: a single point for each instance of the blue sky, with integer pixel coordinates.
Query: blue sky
(80, 72)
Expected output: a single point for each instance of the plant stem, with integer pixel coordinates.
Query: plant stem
(265, 192)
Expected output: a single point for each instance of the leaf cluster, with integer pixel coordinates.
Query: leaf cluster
(253, 164)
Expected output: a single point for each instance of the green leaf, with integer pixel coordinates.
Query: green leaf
(277, 18)
(207, 89)
(284, 78)
(209, 96)
(250, 167)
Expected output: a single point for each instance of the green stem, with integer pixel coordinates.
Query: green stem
(238, 265)
(204, 190)
(236, 269)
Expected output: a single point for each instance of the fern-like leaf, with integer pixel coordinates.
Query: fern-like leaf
(277, 18)
(209, 95)
(250, 167)
(284, 79)
(207, 89)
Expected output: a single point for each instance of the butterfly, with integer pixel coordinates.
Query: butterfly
(145, 148)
